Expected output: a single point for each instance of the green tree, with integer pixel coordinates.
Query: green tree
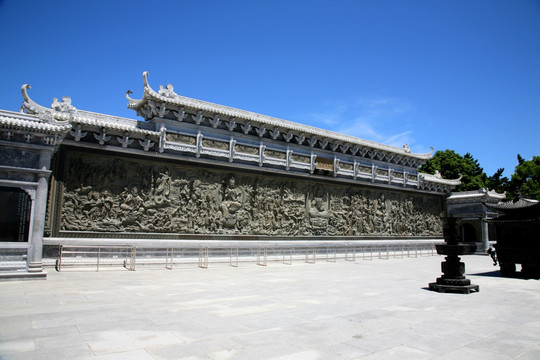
(498, 182)
(525, 181)
(451, 165)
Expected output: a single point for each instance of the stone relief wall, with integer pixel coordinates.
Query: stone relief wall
(109, 194)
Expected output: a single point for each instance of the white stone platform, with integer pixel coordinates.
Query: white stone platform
(377, 309)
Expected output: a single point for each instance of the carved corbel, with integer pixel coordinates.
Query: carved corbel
(180, 114)
(28, 137)
(246, 128)
(215, 121)
(344, 148)
(8, 135)
(354, 150)
(362, 152)
(261, 130)
(300, 138)
(162, 110)
(274, 133)
(231, 124)
(312, 141)
(323, 143)
(102, 137)
(49, 140)
(152, 108)
(334, 146)
(198, 118)
(146, 144)
(288, 136)
(77, 133)
(145, 111)
(124, 140)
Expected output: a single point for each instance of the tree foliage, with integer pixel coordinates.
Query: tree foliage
(498, 182)
(525, 182)
(451, 165)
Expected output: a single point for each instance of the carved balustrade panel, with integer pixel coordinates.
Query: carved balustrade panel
(179, 138)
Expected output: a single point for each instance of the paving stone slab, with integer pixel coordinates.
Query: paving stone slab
(345, 310)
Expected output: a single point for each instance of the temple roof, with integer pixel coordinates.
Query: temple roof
(480, 195)
(220, 133)
(65, 113)
(14, 121)
(166, 95)
(521, 210)
(522, 203)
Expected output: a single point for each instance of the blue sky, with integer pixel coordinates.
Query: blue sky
(461, 75)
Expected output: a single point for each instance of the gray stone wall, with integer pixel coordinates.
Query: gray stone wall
(111, 194)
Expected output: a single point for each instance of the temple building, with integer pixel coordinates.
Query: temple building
(194, 171)
(472, 209)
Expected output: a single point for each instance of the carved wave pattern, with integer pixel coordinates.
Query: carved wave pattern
(110, 194)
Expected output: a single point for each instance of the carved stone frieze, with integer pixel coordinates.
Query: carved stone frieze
(179, 138)
(216, 144)
(275, 154)
(346, 166)
(300, 158)
(364, 169)
(246, 149)
(111, 194)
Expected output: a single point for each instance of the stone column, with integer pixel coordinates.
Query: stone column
(485, 234)
(35, 252)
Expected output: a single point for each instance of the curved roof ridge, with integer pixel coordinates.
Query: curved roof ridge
(168, 95)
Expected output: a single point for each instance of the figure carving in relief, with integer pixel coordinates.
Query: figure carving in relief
(102, 212)
(132, 207)
(231, 203)
(162, 189)
(317, 207)
(96, 197)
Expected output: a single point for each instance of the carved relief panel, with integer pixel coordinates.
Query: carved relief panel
(110, 194)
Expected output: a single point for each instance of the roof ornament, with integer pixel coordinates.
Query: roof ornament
(145, 79)
(64, 106)
(131, 101)
(29, 106)
(406, 148)
(168, 91)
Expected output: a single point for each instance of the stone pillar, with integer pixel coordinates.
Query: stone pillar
(35, 252)
(485, 234)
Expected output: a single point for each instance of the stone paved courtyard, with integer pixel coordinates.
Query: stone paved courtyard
(377, 309)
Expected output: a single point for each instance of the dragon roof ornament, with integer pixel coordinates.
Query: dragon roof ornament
(64, 113)
(167, 96)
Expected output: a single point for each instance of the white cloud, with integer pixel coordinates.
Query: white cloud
(381, 119)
